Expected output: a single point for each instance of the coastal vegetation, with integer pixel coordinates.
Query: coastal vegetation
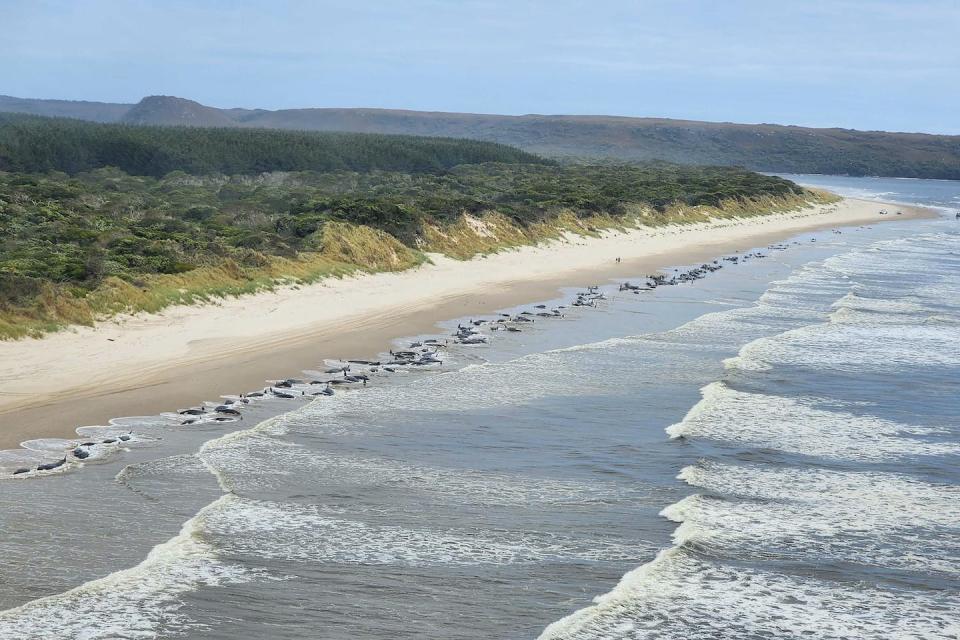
(81, 239)
(76, 248)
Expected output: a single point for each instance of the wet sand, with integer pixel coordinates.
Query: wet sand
(147, 364)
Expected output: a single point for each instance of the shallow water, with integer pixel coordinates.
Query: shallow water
(770, 451)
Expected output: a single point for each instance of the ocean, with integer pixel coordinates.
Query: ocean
(770, 451)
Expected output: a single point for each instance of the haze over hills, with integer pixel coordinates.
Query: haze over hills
(81, 109)
(762, 147)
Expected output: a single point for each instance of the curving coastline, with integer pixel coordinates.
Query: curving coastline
(671, 570)
(150, 363)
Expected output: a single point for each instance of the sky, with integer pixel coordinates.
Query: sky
(866, 64)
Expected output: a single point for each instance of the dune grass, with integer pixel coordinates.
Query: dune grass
(156, 244)
(346, 250)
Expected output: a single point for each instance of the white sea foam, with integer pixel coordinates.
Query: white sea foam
(679, 595)
(12, 460)
(311, 533)
(859, 308)
(257, 458)
(871, 518)
(733, 573)
(140, 602)
(872, 327)
(803, 298)
(46, 450)
(799, 425)
(854, 348)
(602, 345)
(904, 498)
(525, 380)
(49, 445)
(256, 461)
(813, 532)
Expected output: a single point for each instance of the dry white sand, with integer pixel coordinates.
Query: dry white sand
(145, 363)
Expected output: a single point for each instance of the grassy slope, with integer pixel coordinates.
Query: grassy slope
(348, 249)
(335, 249)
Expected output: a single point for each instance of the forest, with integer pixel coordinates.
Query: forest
(36, 144)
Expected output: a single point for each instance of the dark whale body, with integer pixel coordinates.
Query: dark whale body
(52, 465)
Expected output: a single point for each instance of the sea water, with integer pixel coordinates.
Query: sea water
(768, 452)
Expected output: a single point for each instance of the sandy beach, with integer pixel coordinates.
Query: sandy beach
(144, 364)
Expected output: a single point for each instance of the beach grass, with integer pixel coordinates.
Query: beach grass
(345, 249)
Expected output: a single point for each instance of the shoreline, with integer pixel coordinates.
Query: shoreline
(145, 364)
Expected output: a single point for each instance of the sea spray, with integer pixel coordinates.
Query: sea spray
(139, 602)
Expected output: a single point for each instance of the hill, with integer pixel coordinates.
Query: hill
(761, 147)
(81, 110)
(172, 111)
(34, 144)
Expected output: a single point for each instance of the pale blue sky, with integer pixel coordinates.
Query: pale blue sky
(867, 64)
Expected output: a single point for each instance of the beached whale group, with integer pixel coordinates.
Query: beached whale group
(471, 333)
(694, 273)
(80, 451)
(421, 354)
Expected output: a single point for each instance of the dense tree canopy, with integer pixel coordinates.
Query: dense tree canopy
(37, 144)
